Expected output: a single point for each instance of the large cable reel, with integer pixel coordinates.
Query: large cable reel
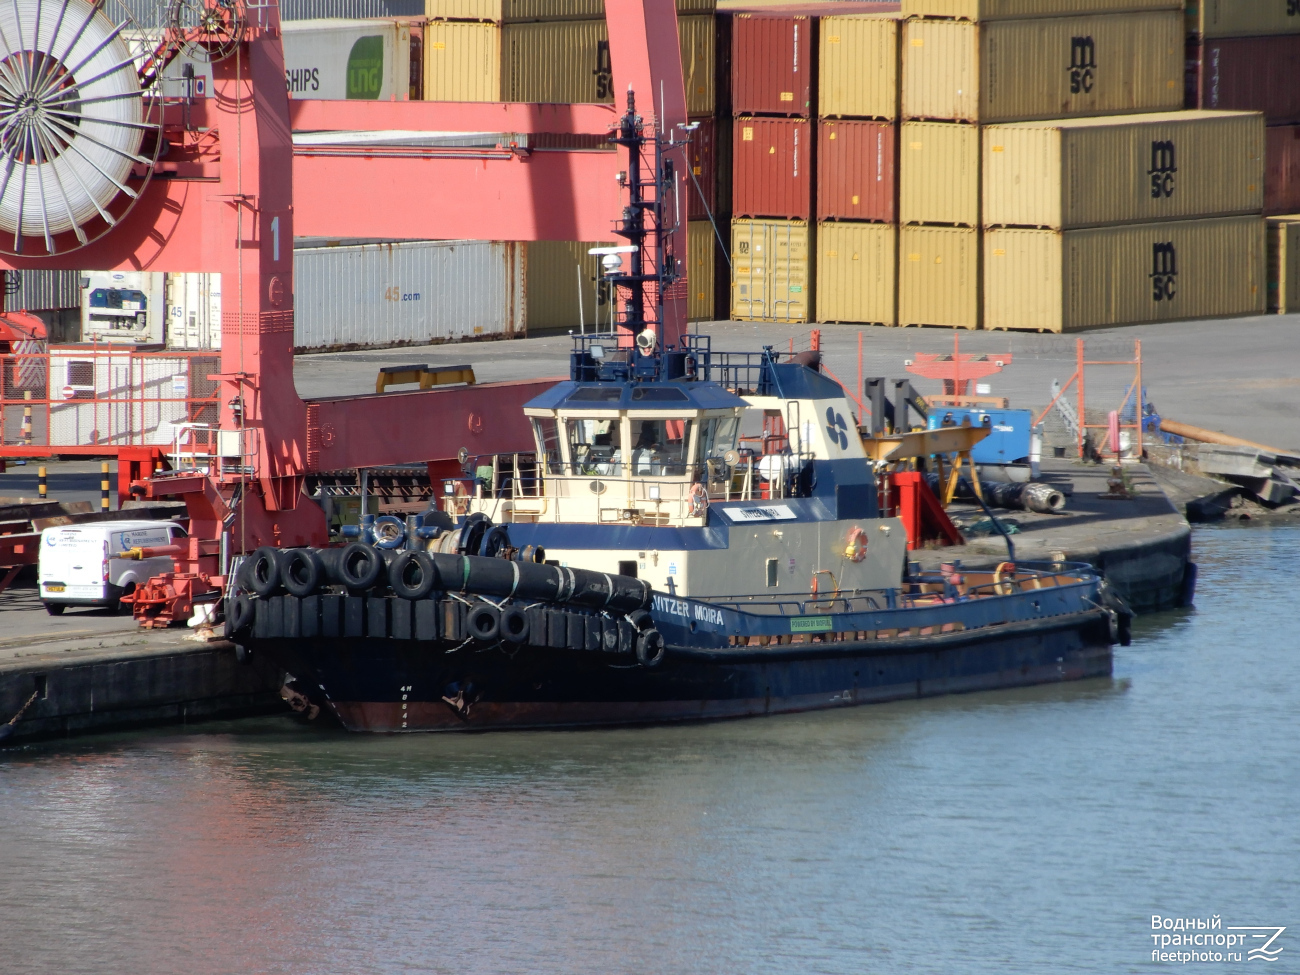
(79, 135)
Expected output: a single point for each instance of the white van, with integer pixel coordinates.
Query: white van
(79, 564)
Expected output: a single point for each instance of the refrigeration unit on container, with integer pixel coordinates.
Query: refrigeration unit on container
(857, 269)
(406, 293)
(564, 286)
(1059, 281)
(939, 276)
(771, 174)
(771, 64)
(347, 59)
(501, 11)
(771, 273)
(1283, 249)
(1052, 67)
(856, 166)
(193, 310)
(1025, 9)
(939, 173)
(1123, 169)
(1282, 169)
(126, 307)
(1248, 74)
(857, 74)
(1242, 18)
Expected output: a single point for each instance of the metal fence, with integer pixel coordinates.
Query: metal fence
(93, 400)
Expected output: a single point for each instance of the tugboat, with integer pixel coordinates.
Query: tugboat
(697, 535)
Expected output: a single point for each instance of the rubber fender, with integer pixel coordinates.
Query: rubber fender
(609, 635)
(592, 632)
(411, 575)
(301, 571)
(484, 622)
(627, 637)
(359, 567)
(389, 532)
(264, 571)
(514, 625)
(650, 648)
(640, 619)
(239, 615)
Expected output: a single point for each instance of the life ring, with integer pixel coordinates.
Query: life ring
(699, 499)
(856, 549)
(999, 586)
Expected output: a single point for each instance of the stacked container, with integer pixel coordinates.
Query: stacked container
(967, 64)
(1245, 55)
(857, 159)
(772, 94)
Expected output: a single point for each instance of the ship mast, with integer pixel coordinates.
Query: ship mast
(647, 224)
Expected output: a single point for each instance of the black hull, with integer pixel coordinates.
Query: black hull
(387, 685)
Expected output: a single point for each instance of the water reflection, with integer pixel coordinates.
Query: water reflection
(1032, 830)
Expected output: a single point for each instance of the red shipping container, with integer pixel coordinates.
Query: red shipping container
(771, 169)
(1282, 169)
(856, 171)
(1249, 74)
(702, 158)
(771, 64)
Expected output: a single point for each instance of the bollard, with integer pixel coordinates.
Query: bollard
(41, 488)
(103, 486)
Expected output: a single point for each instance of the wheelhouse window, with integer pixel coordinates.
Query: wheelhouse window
(595, 445)
(659, 447)
(717, 435)
(547, 434)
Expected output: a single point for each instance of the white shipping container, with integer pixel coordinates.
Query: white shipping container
(125, 307)
(332, 59)
(193, 310)
(368, 59)
(408, 293)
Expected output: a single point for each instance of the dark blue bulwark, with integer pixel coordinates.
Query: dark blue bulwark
(670, 397)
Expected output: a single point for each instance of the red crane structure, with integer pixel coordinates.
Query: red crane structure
(94, 175)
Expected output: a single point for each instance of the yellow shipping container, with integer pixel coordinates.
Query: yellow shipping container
(462, 62)
(556, 272)
(771, 277)
(1242, 18)
(702, 248)
(857, 269)
(1123, 169)
(939, 276)
(501, 11)
(1284, 264)
(699, 40)
(1059, 281)
(939, 173)
(1021, 9)
(858, 73)
(1015, 70)
(564, 61)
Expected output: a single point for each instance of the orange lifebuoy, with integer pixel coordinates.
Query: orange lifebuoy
(699, 499)
(856, 549)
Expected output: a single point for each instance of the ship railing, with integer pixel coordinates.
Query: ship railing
(919, 590)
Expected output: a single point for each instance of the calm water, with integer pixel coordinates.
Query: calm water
(1027, 831)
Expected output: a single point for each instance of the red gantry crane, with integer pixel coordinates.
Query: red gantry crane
(97, 170)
